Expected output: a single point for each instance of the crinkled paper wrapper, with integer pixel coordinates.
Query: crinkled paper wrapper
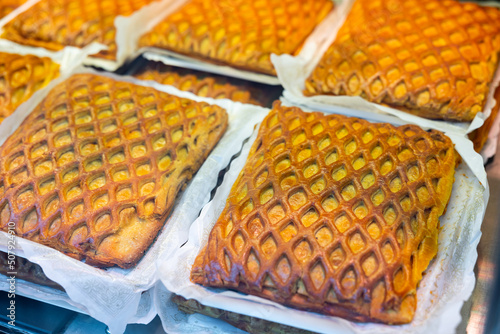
(113, 296)
(128, 31)
(448, 282)
(293, 72)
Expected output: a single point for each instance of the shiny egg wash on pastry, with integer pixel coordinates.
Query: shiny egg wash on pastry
(54, 24)
(94, 170)
(432, 58)
(239, 33)
(21, 77)
(334, 215)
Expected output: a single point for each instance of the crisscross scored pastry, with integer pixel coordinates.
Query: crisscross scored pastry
(201, 84)
(94, 170)
(53, 24)
(21, 77)
(334, 215)
(7, 6)
(432, 58)
(239, 33)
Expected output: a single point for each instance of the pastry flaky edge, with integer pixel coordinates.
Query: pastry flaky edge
(210, 266)
(133, 229)
(447, 80)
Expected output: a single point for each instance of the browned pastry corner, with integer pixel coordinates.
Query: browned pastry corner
(21, 77)
(27, 271)
(210, 85)
(7, 6)
(243, 322)
(333, 214)
(480, 135)
(239, 33)
(54, 24)
(432, 58)
(94, 170)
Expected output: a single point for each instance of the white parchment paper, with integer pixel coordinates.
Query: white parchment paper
(113, 296)
(448, 282)
(293, 72)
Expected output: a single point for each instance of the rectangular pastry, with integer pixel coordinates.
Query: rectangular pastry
(210, 85)
(241, 33)
(21, 77)
(54, 24)
(431, 58)
(334, 215)
(94, 170)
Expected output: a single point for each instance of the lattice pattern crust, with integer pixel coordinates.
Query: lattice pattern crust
(432, 58)
(239, 33)
(53, 24)
(94, 170)
(333, 214)
(20, 78)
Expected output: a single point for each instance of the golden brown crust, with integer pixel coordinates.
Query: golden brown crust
(334, 215)
(7, 6)
(480, 135)
(432, 58)
(26, 270)
(210, 85)
(94, 170)
(21, 77)
(54, 24)
(241, 33)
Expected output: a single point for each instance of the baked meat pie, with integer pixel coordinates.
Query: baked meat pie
(54, 24)
(432, 58)
(94, 170)
(239, 33)
(334, 215)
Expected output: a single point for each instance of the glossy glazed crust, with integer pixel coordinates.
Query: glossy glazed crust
(95, 169)
(241, 33)
(22, 77)
(54, 24)
(208, 85)
(7, 6)
(334, 215)
(431, 58)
